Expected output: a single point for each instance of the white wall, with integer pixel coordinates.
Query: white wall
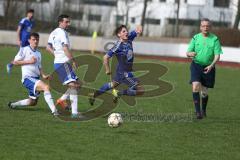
(140, 47)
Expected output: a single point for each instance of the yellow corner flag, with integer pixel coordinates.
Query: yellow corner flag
(94, 37)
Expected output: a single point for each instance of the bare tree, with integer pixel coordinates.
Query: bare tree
(145, 3)
(26, 5)
(127, 12)
(55, 13)
(7, 6)
(10, 14)
(116, 20)
(79, 16)
(42, 10)
(237, 18)
(176, 30)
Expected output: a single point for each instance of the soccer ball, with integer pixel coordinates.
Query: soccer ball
(115, 120)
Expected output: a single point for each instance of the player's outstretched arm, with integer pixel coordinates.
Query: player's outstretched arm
(132, 35)
(49, 48)
(69, 55)
(67, 52)
(24, 62)
(138, 29)
(18, 36)
(106, 64)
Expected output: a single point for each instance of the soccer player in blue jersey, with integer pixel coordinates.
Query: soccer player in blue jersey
(23, 33)
(123, 50)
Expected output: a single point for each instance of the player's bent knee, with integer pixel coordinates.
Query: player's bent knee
(33, 102)
(113, 84)
(74, 85)
(195, 90)
(46, 87)
(77, 86)
(204, 93)
(140, 90)
(196, 87)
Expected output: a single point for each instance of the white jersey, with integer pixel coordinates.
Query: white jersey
(29, 70)
(57, 39)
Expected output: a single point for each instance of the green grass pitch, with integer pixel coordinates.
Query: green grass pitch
(33, 133)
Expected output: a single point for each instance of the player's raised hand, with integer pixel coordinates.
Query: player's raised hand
(139, 29)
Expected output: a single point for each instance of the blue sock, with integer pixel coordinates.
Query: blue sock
(129, 92)
(124, 92)
(196, 101)
(104, 88)
(204, 103)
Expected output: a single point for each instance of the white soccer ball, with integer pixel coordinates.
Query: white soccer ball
(115, 120)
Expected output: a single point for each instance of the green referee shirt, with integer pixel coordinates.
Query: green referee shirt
(205, 48)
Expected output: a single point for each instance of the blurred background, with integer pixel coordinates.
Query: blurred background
(159, 18)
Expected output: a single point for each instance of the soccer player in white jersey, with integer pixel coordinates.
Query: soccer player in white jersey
(59, 46)
(29, 58)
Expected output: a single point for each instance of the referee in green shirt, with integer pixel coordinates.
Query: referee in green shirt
(205, 50)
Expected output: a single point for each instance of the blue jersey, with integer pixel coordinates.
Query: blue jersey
(26, 27)
(124, 53)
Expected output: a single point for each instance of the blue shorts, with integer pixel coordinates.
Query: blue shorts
(198, 75)
(31, 83)
(65, 73)
(126, 78)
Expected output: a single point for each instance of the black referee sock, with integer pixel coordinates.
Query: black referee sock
(204, 103)
(196, 101)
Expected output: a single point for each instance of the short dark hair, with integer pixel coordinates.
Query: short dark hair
(30, 11)
(61, 17)
(205, 19)
(118, 29)
(34, 34)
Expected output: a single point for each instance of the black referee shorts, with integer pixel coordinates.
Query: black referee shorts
(198, 75)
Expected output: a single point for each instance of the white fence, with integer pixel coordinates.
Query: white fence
(230, 54)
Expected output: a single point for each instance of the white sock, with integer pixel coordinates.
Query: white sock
(66, 94)
(74, 101)
(49, 100)
(24, 102)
